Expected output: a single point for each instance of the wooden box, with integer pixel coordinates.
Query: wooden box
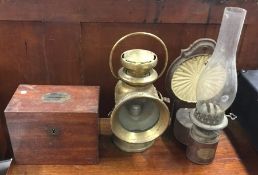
(54, 124)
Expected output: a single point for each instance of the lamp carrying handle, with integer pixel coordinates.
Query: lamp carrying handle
(137, 34)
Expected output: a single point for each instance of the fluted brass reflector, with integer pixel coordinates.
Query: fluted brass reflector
(185, 78)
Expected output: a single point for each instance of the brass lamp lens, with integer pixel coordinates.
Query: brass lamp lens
(139, 118)
(139, 114)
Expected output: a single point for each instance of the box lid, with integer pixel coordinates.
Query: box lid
(183, 74)
(51, 98)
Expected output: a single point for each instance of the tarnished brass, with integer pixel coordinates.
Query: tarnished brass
(184, 72)
(181, 82)
(132, 147)
(56, 97)
(137, 34)
(140, 115)
(202, 145)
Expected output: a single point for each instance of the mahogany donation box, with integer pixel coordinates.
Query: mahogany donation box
(54, 124)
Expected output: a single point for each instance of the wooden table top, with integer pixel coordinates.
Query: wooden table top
(166, 156)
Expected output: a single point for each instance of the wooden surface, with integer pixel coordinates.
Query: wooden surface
(32, 98)
(45, 132)
(166, 156)
(67, 42)
(136, 11)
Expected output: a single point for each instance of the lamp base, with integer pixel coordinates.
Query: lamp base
(202, 145)
(131, 147)
(182, 125)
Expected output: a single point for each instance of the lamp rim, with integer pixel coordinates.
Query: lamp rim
(220, 126)
(140, 137)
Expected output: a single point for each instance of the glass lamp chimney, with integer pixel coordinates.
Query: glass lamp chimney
(217, 85)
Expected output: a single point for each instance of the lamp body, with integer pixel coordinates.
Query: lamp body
(202, 145)
(140, 115)
(216, 88)
(136, 135)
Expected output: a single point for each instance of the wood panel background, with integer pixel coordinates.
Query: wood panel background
(68, 41)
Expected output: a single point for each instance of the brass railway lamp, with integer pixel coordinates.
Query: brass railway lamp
(216, 89)
(140, 115)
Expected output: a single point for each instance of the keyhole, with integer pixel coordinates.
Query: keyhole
(53, 131)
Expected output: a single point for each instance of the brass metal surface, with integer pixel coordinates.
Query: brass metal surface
(138, 34)
(183, 73)
(145, 136)
(148, 78)
(139, 61)
(131, 147)
(56, 97)
(139, 115)
(202, 145)
(198, 119)
(185, 78)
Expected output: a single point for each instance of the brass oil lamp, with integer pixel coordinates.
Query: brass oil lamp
(139, 115)
(216, 89)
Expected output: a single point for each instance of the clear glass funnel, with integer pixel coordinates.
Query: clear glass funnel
(217, 85)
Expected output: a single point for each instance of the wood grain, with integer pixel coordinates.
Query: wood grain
(54, 132)
(166, 156)
(133, 11)
(21, 61)
(62, 52)
(30, 98)
(3, 141)
(250, 41)
(75, 140)
(216, 10)
(136, 11)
